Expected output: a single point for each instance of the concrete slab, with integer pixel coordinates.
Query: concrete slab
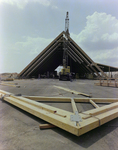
(20, 130)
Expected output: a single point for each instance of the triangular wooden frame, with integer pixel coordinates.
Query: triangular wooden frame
(63, 119)
(52, 56)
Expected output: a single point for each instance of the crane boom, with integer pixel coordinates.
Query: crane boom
(65, 72)
(67, 24)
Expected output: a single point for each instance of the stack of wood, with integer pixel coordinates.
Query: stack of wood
(111, 82)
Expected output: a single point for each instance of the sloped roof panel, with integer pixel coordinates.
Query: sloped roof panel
(52, 56)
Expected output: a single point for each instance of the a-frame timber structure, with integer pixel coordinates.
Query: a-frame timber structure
(51, 57)
(74, 122)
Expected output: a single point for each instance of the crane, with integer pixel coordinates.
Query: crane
(65, 71)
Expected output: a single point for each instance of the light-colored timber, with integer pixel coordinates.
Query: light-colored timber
(8, 79)
(74, 107)
(10, 85)
(90, 119)
(72, 91)
(93, 103)
(46, 126)
(75, 110)
(68, 99)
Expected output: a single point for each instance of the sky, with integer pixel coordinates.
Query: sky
(28, 26)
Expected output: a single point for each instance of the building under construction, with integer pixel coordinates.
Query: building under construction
(52, 57)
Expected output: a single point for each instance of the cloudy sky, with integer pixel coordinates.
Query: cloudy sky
(28, 26)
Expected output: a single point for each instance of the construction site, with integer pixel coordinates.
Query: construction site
(76, 108)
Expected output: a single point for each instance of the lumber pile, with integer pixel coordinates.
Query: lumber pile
(10, 84)
(74, 122)
(8, 79)
(110, 82)
(46, 126)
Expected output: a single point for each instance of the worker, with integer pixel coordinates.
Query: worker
(70, 76)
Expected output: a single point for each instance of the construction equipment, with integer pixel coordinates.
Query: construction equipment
(65, 71)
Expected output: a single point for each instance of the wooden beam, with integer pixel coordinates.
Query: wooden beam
(72, 91)
(98, 120)
(49, 99)
(74, 107)
(46, 126)
(93, 103)
(75, 110)
(88, 58)
(22, 73)
(44, 57)
(68, 99)
(10, 85)
(8, 79)
(102, 109)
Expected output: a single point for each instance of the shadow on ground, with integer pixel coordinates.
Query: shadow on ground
(88, 139)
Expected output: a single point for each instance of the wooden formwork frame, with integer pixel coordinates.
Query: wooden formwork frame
(74, 122)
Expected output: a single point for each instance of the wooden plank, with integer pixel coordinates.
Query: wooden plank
(91, 69)
(10, 85)
(75, 110)
(8, 79)
(102, 109)
(84, 55)
(96, 121)
(49, 99)
(68, 99)
(46, 126)
(44, 57)
(74, 107)
(72, 91)
(97, 100)
(93, 103)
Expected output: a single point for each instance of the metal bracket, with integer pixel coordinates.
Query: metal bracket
(6, 95)
(76, 118)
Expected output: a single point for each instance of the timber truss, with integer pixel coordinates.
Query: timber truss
(51, 57)
(74, 122)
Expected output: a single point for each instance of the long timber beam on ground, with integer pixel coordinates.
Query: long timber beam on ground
(68, 99)
(10, 84)
(72, 91)
(89, 119)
